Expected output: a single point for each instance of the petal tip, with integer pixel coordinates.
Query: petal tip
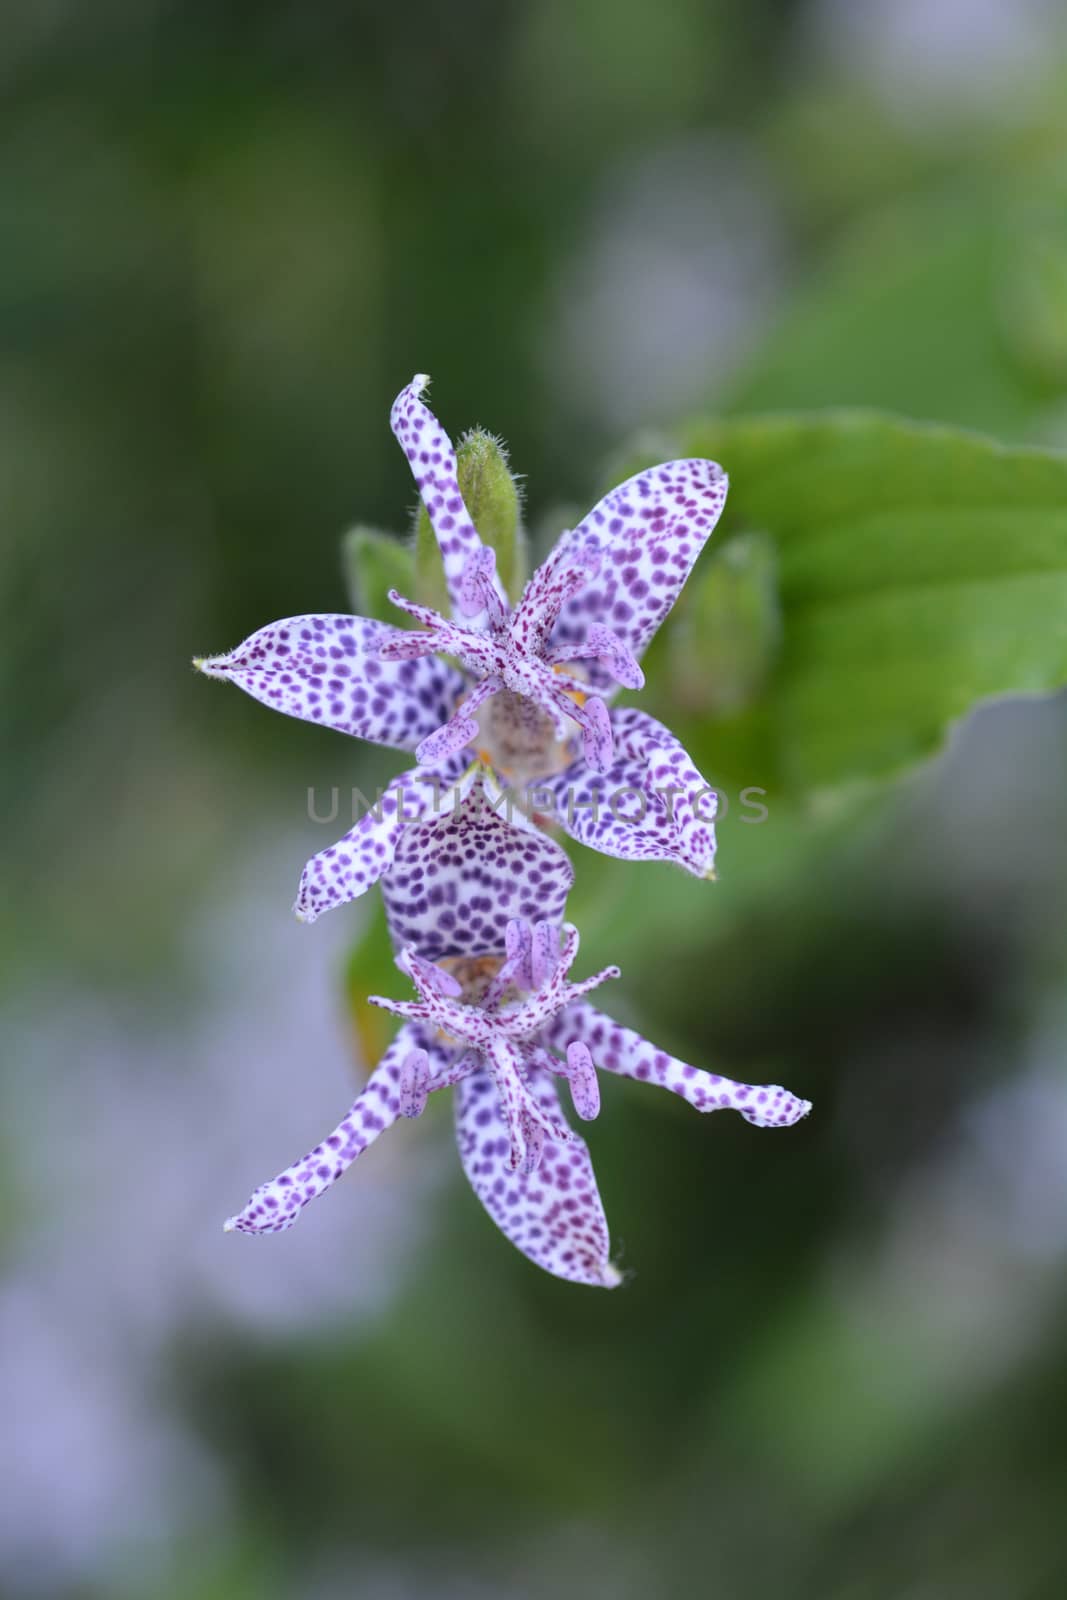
(230, 1225)
(610, 1276)
(211, 666)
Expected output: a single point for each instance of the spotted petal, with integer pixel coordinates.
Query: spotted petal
(650, 805)
(458, 879)
(276, 1205)
(648, 532)
(553, 1214)
(347, 869)
(433, 464)
(326, 669)
(624, 1052)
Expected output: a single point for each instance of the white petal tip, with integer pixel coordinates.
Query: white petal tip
(302, 916)
(801, 1110)
(420, 382)
(230, 1225)
(610, 1277)
(211, 666)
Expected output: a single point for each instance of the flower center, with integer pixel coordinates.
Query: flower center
(474, 974)
(491, 1011)
(513, 657)
(520, 741)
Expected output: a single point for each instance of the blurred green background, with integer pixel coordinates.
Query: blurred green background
(229, 233)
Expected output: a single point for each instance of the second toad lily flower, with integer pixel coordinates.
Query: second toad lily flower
(532, 698)
(498, 1019)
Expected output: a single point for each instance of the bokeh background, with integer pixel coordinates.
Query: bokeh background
(228, 234)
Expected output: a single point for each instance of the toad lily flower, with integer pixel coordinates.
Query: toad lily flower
(501, 1024)
(532, 691)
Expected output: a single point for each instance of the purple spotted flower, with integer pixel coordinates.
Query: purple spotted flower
(530, 695)
(478, 909)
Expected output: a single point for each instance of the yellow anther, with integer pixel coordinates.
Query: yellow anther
(574, 694)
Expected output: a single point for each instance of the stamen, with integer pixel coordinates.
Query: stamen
(414, 1083)
(412, 1010)
(559, 710)
(424, 614)
(518, 942)
(449, 1076)
(598, 745)
(452, 736)
(544, 953)
(586, 985)
(426, 976)
(477, 592)
(548, 590)
(460, 730)
(585, 1089)
(408, 646)
(516, 968)
(615, 656)
(577, 689)
(534, 1141)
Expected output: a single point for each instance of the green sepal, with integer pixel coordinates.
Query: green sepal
(373, 563)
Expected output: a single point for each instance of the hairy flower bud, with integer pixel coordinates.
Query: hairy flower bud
(491, 496)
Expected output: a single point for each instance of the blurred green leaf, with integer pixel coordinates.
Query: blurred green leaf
(724, 642)
(907, 313)
(373, 564)
(921, 570)
(1034, 303)
(491, 496)
(639, 452)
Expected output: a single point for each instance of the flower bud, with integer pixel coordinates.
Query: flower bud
(491, 496)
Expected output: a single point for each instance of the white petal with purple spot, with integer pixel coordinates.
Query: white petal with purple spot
(647, 533)
(433, 464)
(347, 869)
(620, 1050)
(276, 1205)
(553, 1214)
(458, 879)
(327, 669)
(651, 804)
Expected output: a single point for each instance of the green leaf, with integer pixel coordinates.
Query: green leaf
(370, 969)
(373, 564)
(724, 641)
(491, 496)
(915, 309)
(921, 570)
